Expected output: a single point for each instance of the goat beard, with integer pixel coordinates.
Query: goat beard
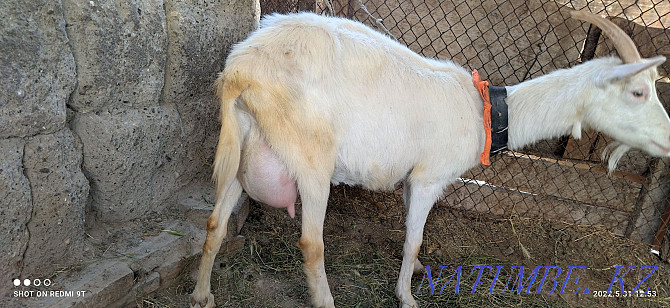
(613, 153)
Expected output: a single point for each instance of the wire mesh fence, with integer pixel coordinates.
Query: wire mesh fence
(509, 41)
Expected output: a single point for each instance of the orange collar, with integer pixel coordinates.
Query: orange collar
(496, 128)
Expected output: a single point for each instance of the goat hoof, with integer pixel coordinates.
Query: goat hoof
(203, 302)
(327, 302)
(408, 303)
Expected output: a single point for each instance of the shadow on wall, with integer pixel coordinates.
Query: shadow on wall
(106, 110)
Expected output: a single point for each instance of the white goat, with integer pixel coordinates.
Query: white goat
(308, 100)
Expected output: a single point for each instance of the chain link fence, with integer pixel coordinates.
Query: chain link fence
(509, 41)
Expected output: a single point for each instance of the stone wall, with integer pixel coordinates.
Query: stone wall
(106, 111)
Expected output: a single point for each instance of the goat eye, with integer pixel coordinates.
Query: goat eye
(638, 93)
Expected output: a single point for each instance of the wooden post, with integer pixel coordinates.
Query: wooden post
(646, 217)
(662, 229)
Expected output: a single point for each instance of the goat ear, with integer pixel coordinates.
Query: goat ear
(627, 70)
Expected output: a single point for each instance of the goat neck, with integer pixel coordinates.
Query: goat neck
(617, 99)
(548, 106)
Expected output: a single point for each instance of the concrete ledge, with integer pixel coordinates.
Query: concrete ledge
(102, 282)
(153, 265)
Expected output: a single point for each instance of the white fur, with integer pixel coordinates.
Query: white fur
(337, 101)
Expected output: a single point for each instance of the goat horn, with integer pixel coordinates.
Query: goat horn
(622, 42)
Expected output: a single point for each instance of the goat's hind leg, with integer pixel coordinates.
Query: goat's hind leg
(314, 201)
(217, 224)
(313, 180)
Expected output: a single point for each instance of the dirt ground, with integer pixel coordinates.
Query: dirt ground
(364, 233)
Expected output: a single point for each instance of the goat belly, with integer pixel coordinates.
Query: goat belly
(265, 179)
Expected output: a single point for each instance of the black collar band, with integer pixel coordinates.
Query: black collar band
(499, 119)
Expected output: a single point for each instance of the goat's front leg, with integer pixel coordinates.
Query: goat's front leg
(419, 199)
(217, 224)
(314, 201)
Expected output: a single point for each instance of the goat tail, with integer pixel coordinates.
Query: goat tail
(227, 159)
